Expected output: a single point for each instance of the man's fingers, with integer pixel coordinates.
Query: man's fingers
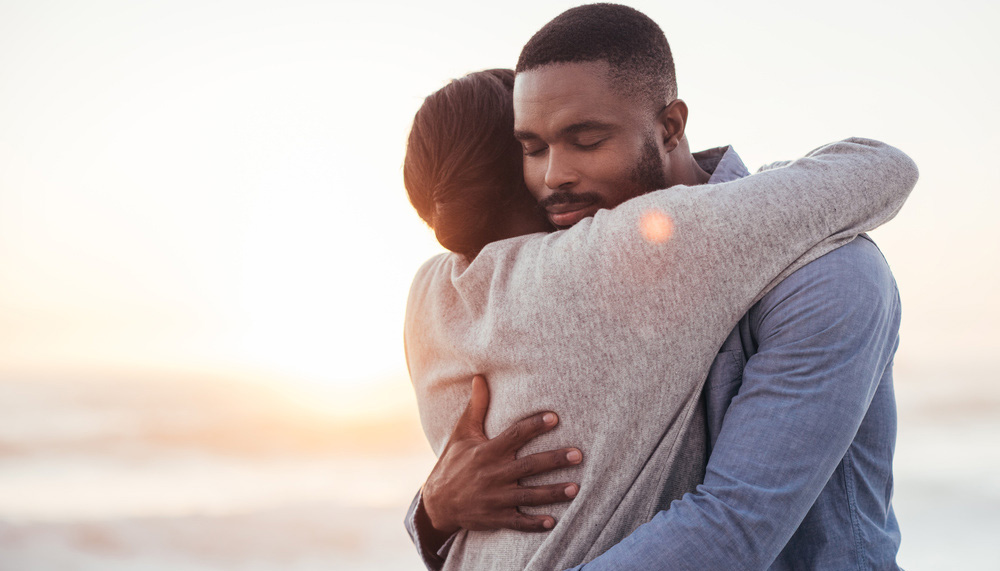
(541, 495)
(519, 433)
(523, 522)
(543, 462)
(474, 416)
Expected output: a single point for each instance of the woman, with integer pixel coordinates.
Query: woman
(463, 175)
(463, 165)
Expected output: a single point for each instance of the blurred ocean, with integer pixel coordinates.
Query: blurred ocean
(206, 475)
(198, 475)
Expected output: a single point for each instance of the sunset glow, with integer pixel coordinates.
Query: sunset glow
(233, 202)
(206, 251)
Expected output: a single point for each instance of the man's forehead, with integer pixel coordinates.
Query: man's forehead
(561, 92)
(563, 80)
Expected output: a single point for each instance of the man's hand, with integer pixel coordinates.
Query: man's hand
(474, 484)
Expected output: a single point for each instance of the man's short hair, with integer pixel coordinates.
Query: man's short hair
(633, 45)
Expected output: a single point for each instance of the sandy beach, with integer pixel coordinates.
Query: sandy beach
(196, 476)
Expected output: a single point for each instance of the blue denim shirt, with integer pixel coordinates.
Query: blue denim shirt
(802, 423)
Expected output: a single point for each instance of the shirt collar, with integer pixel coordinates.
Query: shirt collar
(723, 162)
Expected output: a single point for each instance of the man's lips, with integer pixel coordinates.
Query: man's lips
(569, 213)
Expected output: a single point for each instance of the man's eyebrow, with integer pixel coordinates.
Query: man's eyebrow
(593, 125)
(574, 129)
(525, 135)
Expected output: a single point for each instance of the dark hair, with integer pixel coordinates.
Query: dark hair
(632, 44)
(463, 165)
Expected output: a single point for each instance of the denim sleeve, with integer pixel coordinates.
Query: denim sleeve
(825, 336)
(416, 526)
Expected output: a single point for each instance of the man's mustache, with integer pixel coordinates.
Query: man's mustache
(569, 198)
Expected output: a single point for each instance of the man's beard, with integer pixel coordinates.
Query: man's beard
(648, 173)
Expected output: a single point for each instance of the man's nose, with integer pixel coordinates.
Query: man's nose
(560, 172)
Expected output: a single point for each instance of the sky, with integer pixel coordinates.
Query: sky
(215, 186)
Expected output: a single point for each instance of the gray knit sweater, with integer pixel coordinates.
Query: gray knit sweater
(616, 332)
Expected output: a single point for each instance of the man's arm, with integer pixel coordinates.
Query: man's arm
(825, 336)
(430, 543)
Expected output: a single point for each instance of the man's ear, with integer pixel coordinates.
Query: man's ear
(672, 119)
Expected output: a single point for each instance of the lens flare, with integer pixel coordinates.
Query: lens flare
(656, 227)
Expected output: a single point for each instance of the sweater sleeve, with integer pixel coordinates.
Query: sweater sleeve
(731, 243)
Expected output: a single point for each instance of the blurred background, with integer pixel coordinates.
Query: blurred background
(206, 247)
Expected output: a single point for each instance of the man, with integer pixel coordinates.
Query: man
(800, 467)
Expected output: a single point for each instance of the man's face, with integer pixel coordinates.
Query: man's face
(586, 147)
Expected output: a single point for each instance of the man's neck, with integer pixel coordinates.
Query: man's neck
(698, 174)
(684, 168)
(687, 171)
